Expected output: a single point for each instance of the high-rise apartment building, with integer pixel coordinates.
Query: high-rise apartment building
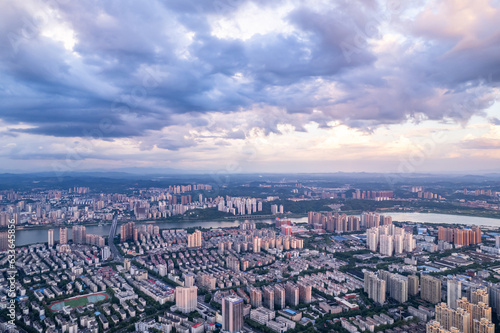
(386, 245)
(279, 296)
(195, 239)
(4, 240)
(63, 235)
(399, 288)
(255, 297)
(305, 293)
(483, 326)
(268, 297)
(186, 299)
(126, 264)
(444, 315)
(460, 237)
(370, 220)
(188, 279)
(233, 263)
(375, 287)
(430, 289)
(477, 311)
(398, 244)
(79, 234)
(51, 238)
(372, 237)
(232, 314)
(467, 318)
(413, 285)
(396, 285)
(105, 253)
(445, 234)
(4, 219)
(461, 319)
(292, 294)
(494, 299)
(448, 318)
(480, 295)
(409, 244)
(454, 292)
(476, 235)
(128, 231)
(435, 327)
(256, 244)
(389, 239)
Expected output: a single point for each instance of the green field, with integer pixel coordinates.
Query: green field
(74, 303)
(80, 301)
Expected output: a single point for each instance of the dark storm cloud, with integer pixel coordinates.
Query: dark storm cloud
(175, 144)
(141, 66)
(239, 134)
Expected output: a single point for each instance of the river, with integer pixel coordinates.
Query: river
(443, 218)
(24, 237)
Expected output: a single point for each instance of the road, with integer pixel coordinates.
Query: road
(112, 232)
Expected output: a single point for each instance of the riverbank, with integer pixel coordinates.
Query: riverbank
(162, 221)
(443, 219)
(186, 219)
(54, 226)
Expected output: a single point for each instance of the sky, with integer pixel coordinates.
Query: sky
(250, 85)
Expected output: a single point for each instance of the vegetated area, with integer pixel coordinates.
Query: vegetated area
(79, 301)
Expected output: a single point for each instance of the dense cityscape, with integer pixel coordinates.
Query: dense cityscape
(250, 166)
(278, 267)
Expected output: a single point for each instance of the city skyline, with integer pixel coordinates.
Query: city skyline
(265, 255)
(250, 86)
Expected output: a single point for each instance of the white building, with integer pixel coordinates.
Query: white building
(186, 299)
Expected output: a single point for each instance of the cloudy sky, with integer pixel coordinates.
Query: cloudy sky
(250, 86)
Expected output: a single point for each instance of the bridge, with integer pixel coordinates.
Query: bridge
(249, 217)
(111, 238)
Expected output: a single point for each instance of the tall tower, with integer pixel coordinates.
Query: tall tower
(198, 238)
(79, 234)
(305, 293)
(454, 291)
(4, 240)
(399, 287)
(398, 244)
(375, 287)
(255, 297)
(268, 295)
(186, 299)
(63, 235)
(194, 239)
(386, 245)
(51, 237)
(232, 314)
(480, 295)
(279, 296)
(372, 237)
(292, 294)
(413, 284)
(483, 326)
(256, 244)
(430, 289)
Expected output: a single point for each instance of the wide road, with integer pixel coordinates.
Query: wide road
(112, 232)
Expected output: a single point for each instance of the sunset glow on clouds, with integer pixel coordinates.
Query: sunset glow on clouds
(250, 86)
